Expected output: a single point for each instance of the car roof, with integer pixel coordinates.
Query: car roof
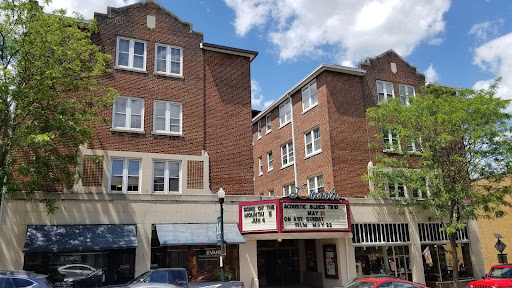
(382, 280)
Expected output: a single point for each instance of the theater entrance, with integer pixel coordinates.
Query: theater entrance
(278, 262)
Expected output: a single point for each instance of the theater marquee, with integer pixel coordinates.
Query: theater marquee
(294, 215)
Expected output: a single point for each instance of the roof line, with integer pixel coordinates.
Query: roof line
(308, 78)
(229, 50)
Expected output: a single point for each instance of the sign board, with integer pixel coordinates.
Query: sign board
(307, 215)
(217, 232)
(259, 216)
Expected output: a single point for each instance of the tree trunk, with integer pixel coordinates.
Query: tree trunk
(455, 271)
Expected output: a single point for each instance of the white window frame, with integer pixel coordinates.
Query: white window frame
(131, 54)
(259, 129)
(167, 117)
(288, 189)
(316, 181)
(260, 166)
(285, 113)
(385, 91)
(389, 133)
(286, 156)
(402, 88)
(396, 190)
(124, 175)
(128, 113)
(314, 149)
(307, 96)
(166, 177)
(268, 127)
(168, 60)
(270, 161)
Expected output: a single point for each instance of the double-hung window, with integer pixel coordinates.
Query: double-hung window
(169, 60)
(396, 191)
(391, 140)
(384, 90)
(269, 124)
(260, 165)
(259, 129)
(405, 92)
(309, 96)
(285, 113)
(270, 161)
(166, 176)
(125, 175)
(167, 117)
(128, 114)
(131, 54)
(316, 183)
(312, 141)
(287, 154)
(288, 189)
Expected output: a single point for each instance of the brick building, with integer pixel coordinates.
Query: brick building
(317, 136)
(180, 130)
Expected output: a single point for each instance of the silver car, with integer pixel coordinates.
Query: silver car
(22, 279)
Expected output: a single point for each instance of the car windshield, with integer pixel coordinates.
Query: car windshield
(501, 272)
(360, 284)
(140, 278)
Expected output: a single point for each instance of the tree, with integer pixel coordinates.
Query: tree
(437, 144)
(50, 95)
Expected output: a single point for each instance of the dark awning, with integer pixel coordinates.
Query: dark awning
(67, 238)
(196, 234)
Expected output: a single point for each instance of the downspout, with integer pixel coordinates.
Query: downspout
(347, 256)
(293, 145)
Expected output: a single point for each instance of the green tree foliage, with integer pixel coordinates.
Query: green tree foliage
(459, 137)
(50, 95)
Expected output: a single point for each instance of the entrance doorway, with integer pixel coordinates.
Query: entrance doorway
(278, 263)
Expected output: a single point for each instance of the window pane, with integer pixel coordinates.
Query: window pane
(389, 88)
(137, 107)
(290, 152)
(160, 109)
(174, 184)
(133, 183)
(380, 87)
(175, 67)
(160, 123)
(138, 61)
(308, 138)
(320, 180)
(174, 169)
(122, 59)
(120, 120)
(133, 167)
(161, 65)
(159, 169)
(117, 167)
(124, 45)
(161, 52)
(116, 183)
(284, 155)
(175, 111)
(311, 184)
(158, 184)
(120, 105)
(136, 119)
(175, 54)
(175, 128)
(138, 48)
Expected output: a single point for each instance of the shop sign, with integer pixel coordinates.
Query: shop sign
(315, 215)
(259, 216)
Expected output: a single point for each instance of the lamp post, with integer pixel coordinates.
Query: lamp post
(221, 194)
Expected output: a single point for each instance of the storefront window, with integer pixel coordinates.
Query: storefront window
(202, 262)
(439, 267)
(380, 260)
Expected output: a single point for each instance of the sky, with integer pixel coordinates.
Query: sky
(462, 43)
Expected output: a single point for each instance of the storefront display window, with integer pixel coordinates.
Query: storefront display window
(438, 262)
(201, 261)
(380, 260)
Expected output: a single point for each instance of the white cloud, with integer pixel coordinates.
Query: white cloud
(256, 96)
(495, 57)
(86, 8)
(355, 29)
(486, 30)
(431, 74)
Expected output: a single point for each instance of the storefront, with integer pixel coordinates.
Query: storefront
(194, 247)
(81, 255)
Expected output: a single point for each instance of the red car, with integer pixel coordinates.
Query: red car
(499, 276)
(383, 283)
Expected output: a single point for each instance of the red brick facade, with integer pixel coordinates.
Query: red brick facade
(343, 97)
(214, 91)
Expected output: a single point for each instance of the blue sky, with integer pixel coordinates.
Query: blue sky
(464, 43)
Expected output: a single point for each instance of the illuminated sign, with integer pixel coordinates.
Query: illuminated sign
(259, 216)
(314, 216)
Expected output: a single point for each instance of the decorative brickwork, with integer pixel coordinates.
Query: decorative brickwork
(195, 172)
(92, 175)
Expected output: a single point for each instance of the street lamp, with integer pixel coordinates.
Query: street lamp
(221, 194)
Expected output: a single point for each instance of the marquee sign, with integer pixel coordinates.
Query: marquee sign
(294, 215)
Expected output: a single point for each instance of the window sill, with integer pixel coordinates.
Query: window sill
(169, 75)
(285, 124)
(261, 174)
(131, 69)
(313, 154)
(287, 165)
(127, 130)
(259, 137)
(305, 111)
(167, 134)
(270, 170)
(268, 132)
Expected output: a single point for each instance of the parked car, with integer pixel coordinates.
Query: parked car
(372, 276)
(383, 283)
(20, 279)
(498, 276)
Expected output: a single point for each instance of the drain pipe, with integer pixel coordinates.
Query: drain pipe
(293, 144)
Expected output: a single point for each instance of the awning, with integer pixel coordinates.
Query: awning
(67, 238)
(196, 234)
